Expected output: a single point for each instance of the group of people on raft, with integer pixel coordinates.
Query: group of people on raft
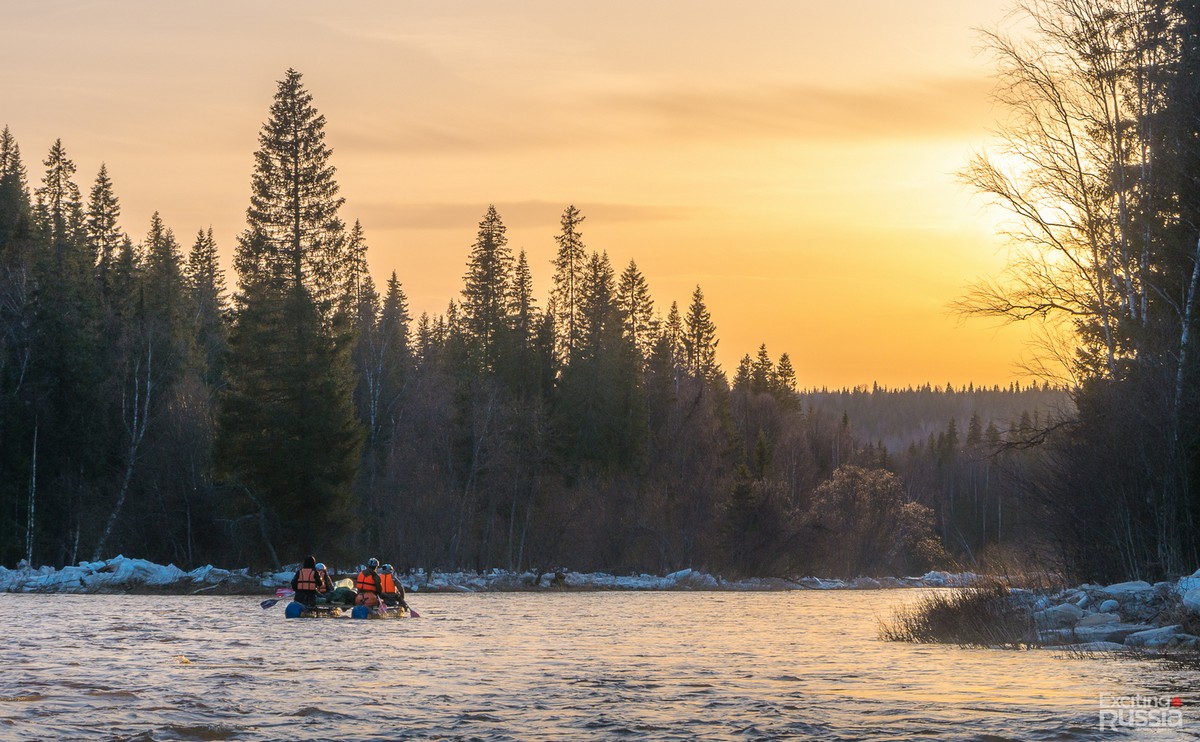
(374, 585)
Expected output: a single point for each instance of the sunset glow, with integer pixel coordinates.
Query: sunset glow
(795, 159)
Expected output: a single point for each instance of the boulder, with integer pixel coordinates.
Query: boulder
(1159, 637)
(1091, 647)
(1056, 637)
(1187, 583)
(1128, 588)
(1109, 606)
(1112, 632)
(1098, 619)
(1191, 600)
(1058, 617)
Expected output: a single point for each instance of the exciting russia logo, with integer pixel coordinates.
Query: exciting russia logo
(1145, 712)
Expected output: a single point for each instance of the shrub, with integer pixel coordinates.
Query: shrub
(986, 614)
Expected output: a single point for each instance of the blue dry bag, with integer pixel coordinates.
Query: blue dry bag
(360, 611)
(293, 610)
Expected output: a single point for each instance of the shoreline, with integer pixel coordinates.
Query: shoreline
(122, 575)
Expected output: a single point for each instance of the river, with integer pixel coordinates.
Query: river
(536, 666)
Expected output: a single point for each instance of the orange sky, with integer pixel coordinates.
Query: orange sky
(795, 158)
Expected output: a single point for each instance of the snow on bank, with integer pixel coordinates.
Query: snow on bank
(121, 574)
(686, 579)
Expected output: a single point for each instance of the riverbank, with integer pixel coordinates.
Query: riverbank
(138, 576)
(1127, 616)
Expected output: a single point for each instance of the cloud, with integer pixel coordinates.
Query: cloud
(912, 110)
(464, 216)
(925, 109)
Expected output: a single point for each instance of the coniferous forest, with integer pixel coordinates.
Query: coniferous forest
(152, 405)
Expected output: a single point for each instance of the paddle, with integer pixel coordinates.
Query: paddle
(280, 594)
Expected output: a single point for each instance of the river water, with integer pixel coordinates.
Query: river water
(575, 666)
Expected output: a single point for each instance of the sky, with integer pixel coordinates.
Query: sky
(796, 159)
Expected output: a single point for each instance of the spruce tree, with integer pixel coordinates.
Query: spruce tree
(569, 264)
(294, 232)
(395, 353)
(169, 315)
(287, 428)
(58, 209)
(206, 282)
(762, 374)
(745, 369)
(14, 203)
(67, 361)
(636, 309)
(700, 339)
(356, 274)
(487, 290)
(599, 318)
(785, 377)
(104, 235)
(522, 305)
(672, 336)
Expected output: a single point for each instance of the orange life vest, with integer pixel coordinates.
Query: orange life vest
(367, 582)
(387, 585)
(306, 579)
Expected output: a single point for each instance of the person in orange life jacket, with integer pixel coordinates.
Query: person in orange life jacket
(392, 591)
(307, 583)
(324, 582)
(368, 585)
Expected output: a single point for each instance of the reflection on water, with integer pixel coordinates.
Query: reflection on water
(655, 666)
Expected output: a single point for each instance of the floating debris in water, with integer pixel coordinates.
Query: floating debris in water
(182, 660)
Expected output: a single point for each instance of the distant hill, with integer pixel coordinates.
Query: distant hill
(901, 417)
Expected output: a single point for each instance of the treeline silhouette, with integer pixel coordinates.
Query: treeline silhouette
(146, 408)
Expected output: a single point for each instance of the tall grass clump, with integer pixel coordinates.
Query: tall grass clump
(986, 614)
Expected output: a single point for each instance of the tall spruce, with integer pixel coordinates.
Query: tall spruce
(567, 294)
(636, 308)
(58, 208)
(487, 290)
(168, 314)
(103, 232)
(288, 431)
(14, 201)
(294, 232)
(700, 339)
(67, 366)
(356, 275)
(522, 305)
(206, 283)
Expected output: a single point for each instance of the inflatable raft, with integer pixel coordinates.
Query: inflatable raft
(299, 610)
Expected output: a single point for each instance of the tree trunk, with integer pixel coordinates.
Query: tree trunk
(140, 411)
(30, 520)
(1185, 342)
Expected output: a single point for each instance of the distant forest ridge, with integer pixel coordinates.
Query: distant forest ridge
(899, 418)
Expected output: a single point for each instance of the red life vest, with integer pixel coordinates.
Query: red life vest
(367, 582)
(387, 585)
(306, 579)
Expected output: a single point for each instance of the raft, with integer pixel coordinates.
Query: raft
(299, 610)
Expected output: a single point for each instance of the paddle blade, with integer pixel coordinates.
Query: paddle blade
(268, 603)
(413, 612)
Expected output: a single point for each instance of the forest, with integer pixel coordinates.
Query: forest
(150, 405)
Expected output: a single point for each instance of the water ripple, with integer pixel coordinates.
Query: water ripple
(804, 665)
